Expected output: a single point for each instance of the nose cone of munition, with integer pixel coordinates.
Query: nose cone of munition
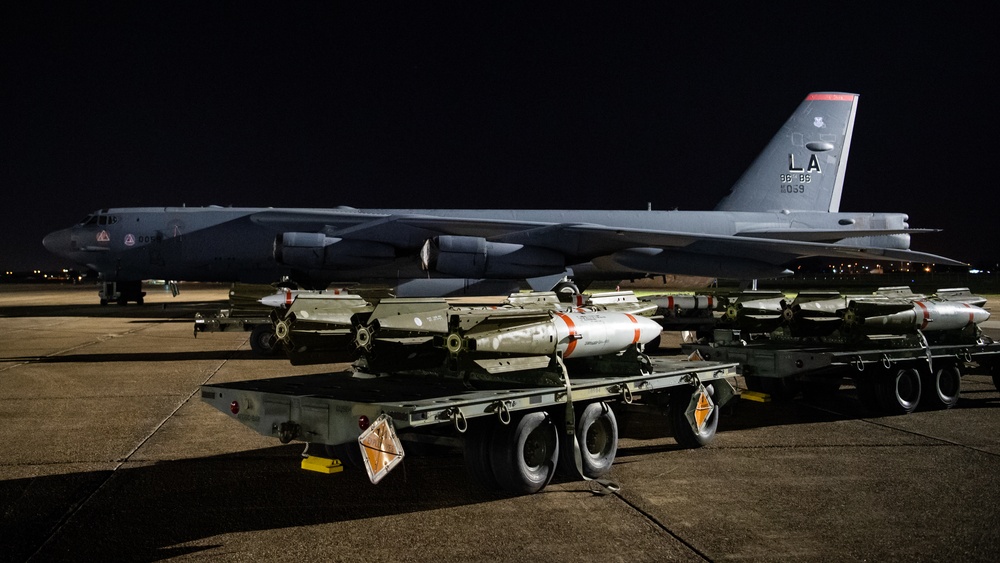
(282, 299)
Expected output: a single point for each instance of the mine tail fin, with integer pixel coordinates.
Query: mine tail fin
(802, 168)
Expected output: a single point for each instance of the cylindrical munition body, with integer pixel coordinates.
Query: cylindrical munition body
(684, 302)
(928, 316)
(286, 297)
(576, 335)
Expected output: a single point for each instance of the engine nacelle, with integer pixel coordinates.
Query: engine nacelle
(476, 257)
(317, 251)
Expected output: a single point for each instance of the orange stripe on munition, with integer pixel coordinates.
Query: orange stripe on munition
(972, 315)
(670, 302)
(288, 298)
(636, 323)
(927, 314)
(572, 335)
(709, 301)
(831, 97)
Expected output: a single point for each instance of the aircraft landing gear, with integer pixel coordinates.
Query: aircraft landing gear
(121, 292)
(566, 291)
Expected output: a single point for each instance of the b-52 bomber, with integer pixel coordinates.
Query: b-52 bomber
(784, 207)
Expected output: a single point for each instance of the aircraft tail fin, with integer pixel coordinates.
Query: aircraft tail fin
(802, 168)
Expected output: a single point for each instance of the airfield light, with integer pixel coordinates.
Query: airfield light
(234, 407)
(363, 422)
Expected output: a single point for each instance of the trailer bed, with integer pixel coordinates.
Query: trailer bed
(326, 405)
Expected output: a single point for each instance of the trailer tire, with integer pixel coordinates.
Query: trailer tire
(263, 340)
(899, 391)
(868, 393)
(995, 373)
(820, 389)
(525, 453)
(348, 453)
(779, 388)
(597, 435)
(685, 435)
(478, 444)
(942, 388)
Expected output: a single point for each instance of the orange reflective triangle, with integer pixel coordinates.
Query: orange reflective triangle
(703, 409)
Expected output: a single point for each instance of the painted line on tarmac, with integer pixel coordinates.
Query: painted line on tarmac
(73, 510)
(905, 431)
(656, 522)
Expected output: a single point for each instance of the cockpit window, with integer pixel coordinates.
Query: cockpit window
(99, 219)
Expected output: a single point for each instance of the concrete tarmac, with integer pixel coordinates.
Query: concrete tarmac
(107, 453)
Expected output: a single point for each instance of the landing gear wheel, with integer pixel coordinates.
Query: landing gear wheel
(693, 416)
(942, 388)
(566, 291)
(263, 340)
(525, 453)
(478, 443)
(899, 391)
(995, 372)
(597, 434)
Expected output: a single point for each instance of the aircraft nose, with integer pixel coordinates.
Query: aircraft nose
(57, 242)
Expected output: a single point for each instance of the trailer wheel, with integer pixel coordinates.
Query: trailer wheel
(868, 392)
(820, 389)
(995, 372)
(597, 434)
(943, 387)
(693, 416)
(525, 453)
(348, 453)
(478, 443)
(899, 391)
(263, 340)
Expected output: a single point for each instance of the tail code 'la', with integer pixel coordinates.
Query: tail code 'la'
(802, 168)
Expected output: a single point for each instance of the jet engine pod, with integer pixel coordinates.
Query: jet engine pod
(476, 257)
(310, 251)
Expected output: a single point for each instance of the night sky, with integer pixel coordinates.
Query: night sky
(434, 104)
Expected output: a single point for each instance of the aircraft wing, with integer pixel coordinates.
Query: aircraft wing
(582, 242)
(822, 235)
(585, 241)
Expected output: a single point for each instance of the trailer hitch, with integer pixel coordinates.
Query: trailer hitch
(287, 431)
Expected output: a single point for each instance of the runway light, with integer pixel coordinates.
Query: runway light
(363, 422)
(234, 407)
